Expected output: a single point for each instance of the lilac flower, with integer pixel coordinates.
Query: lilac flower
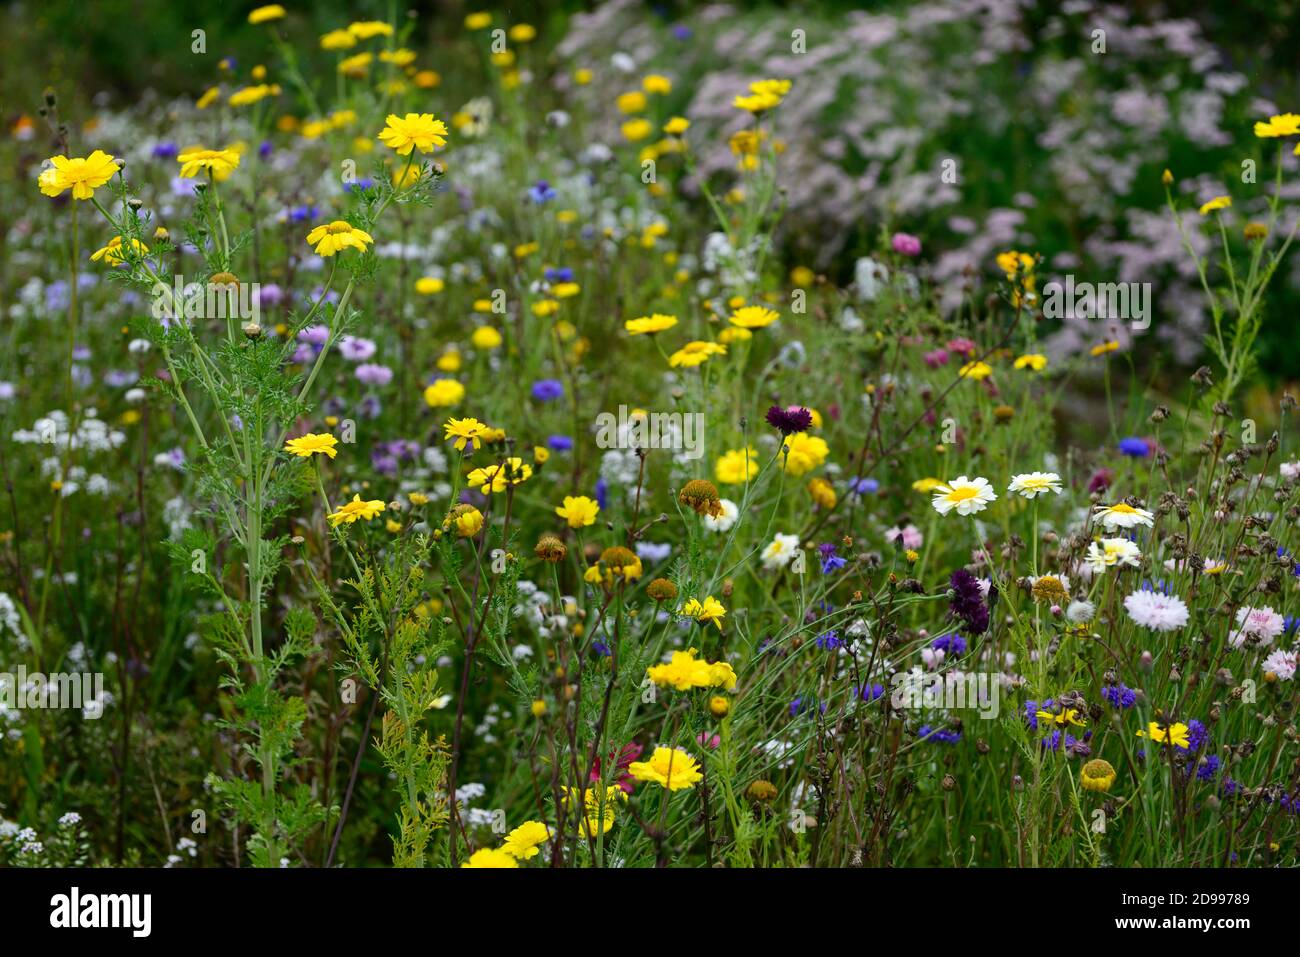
(372, 373)
(356, 350)
(315, 335)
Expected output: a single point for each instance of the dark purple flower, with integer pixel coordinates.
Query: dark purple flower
(791, 419)
(967, 602)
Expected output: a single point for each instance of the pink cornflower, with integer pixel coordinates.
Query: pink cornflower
(1262, 623)
(905, 244)
(1150, 609)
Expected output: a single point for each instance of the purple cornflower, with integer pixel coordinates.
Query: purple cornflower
(829, 640)
(1197, 735)
(830, 560)
(950, 644)
(1119, 696)
(1207, 769)
(871, 692)
(967, 602)
(791, 419)
(546, 389)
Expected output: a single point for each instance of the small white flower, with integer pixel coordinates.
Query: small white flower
(1112, 551)
(780, 551)
(725, 519)
(1033, 484)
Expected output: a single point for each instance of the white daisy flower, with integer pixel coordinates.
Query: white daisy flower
(966, 496)
(1033, 484)
(1123, 515)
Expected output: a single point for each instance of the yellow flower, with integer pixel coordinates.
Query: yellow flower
(266, 14)
(737, 466)
(684, 671)
(582, 76)
(1175, 734)
(253, 94)
(478, 21)
(337, 40)
(710, 611)
(398, 57)
(220, 163)
(365, 29)
(657, 83)
(429, 285)
(753, 317)
(355, 509)
(1219, 202)
(1033, 361)
(338, 236)
(1100, 350)
(415, 130)
(694, 353)
(649, 324)
(81, 175)
(672, 768)
(490, 857)
(926, 485)
(633, 102)
(356, 65)
(1097, 775)
(485, 337)
(311, 443)
(538, 707)
(444, 392)
(975, 370)
(525, 840)
(210, 96)
(719, 705)
(1066, 717)
(764, 95)
(677, 126)
(598, 810)
(464, 431)
(634, 131)
(467, 519)
(523, 33)
(578, 510)
(495, 478)
(823, 493)
(804, 453)
(1285, 124)
(112, 253)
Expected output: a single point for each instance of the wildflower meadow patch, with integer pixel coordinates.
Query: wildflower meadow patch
(620, 440)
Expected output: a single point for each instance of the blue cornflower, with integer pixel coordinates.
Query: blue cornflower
(864, 486)
(1135, 447)
(559, 443)
(1207, 769)
(940, 735)
(546, 389)
(559, 274)
(950, 644)
(1197, 735)
(1119, 696)
(541, 192)
(871, 692)
(830, 560)
(829, 640)
(602, 493)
